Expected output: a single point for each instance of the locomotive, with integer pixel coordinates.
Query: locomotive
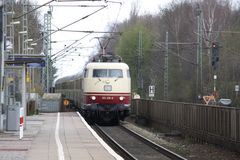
(102, 93)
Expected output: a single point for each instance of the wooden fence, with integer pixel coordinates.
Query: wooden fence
(213, 124)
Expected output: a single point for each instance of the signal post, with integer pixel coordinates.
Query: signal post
(215, 63)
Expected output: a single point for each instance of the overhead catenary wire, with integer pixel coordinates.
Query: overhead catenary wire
(65, 30)
(115, 24)
(71, 24)
(103, 47)
(62, 41)
(64, 49)
(67, 49)
(175, 54)
(69, 53)
(113, 2)
(54, 5)
(62, 52)
(229, 32)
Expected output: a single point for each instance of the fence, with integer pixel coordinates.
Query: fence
(214, 124)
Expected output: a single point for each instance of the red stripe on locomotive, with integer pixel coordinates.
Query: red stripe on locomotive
(107, 98)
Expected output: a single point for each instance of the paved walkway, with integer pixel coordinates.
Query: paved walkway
(51, 136)
(11, 148)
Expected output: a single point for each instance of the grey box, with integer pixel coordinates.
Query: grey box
(51, 102)
(13, 117)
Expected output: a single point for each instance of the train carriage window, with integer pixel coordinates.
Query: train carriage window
(115, 73)
(99, 73)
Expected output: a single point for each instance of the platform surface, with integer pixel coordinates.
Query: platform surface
(55, 136)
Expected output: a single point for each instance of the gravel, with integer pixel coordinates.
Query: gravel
(183, 146)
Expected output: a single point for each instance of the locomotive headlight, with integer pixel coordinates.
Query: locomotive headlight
(121, 98)
(93, 98)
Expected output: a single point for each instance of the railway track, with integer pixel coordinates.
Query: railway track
(131, 145)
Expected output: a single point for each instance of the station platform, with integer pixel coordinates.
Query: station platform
(55, 136)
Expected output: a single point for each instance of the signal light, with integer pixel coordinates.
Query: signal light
(215, 55)
(214, 45)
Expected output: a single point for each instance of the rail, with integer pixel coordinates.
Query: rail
(118, 148)
(133, 145)
(155, 146)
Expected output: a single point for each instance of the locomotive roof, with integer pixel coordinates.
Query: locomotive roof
(100, 65)
(110, 65)
(69, 78)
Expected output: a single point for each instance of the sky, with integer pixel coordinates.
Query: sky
(86, 43)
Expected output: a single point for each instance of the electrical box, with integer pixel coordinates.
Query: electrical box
(13, 113)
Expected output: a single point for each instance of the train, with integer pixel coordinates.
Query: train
(102, 93)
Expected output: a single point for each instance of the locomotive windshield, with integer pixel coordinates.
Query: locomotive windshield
(115, 73)
(104, 73)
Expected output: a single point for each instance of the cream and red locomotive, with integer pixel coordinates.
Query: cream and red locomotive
(104, 93)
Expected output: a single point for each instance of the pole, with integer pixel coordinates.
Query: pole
(200, 52)
(24, 93)
(198, 42)
(166, 69)
(19, 43)
(2, 65)
(50, 49)
(141, 55)
(199, 81)
(139, 70)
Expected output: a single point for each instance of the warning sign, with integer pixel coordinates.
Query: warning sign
(66, 102)
(208, 99)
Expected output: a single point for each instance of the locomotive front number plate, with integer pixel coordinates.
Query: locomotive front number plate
(107, 88)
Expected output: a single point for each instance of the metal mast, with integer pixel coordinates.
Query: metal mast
(9, 50)
(139, 70)
(166, 70)
(25, 28)
(9, 27)
(199, 82)
(47, 75)
(200, 51)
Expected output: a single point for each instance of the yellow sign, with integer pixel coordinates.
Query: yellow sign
(10, 79)
(66, 102)
(28, 77)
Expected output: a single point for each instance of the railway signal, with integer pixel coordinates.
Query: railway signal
(215, 55)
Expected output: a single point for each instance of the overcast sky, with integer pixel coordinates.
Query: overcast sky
(62, 16)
